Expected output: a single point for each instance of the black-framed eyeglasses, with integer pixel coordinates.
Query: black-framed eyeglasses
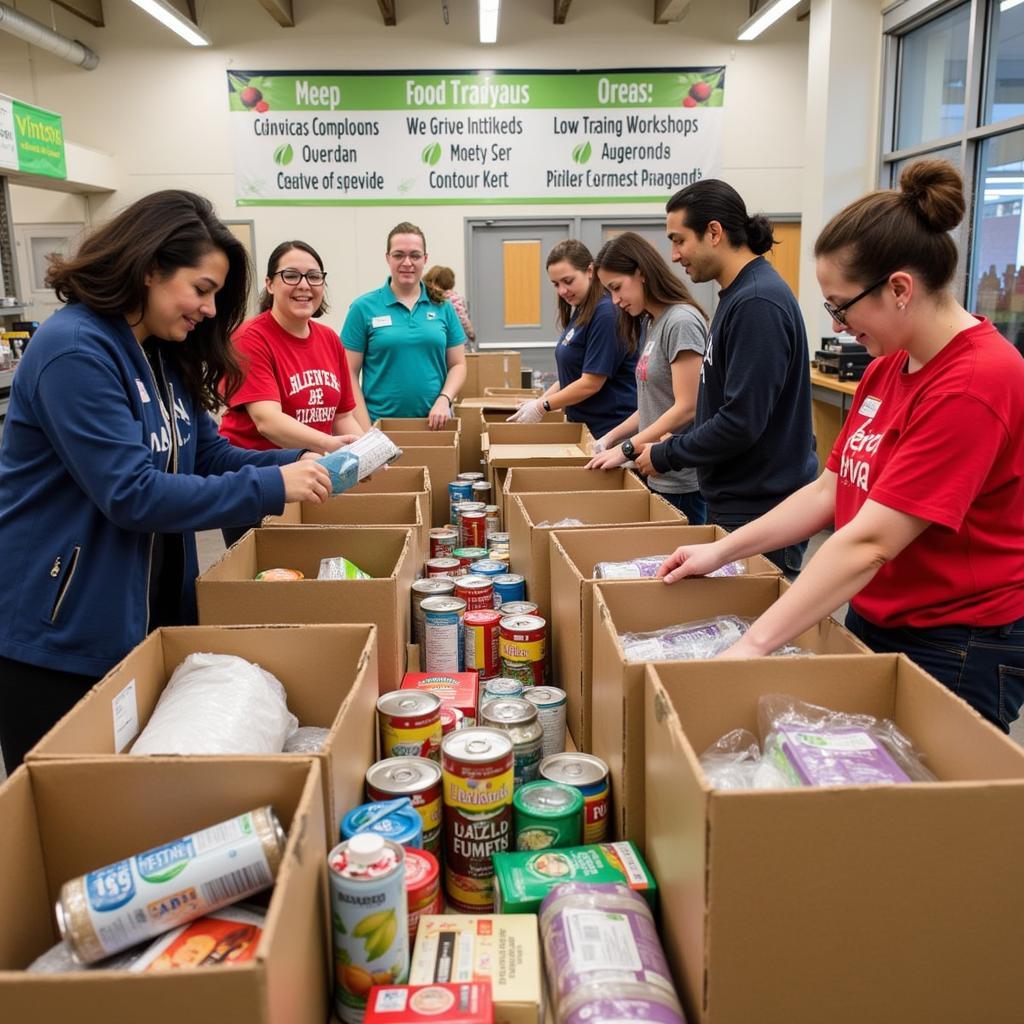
(292, 276)
(838, 313)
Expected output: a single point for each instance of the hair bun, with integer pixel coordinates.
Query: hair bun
(936, 191)
(760, 237)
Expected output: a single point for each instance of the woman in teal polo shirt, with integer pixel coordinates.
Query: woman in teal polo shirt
(406, 339)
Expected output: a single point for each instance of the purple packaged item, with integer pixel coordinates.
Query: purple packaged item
(730, 569)
(642, 568)
(847, 756)
(689, 640)
(636, 1009)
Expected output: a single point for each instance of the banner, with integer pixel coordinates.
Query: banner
(31, 139)
(440, 137)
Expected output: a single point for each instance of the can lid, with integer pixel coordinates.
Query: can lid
(543, 696)
(482, 617)
(408, 703)
(365, 848)
(523, 623)
(576, 769)
(508, 711)
(471, 582)
(476, 745)
(443, 604)
(421, 869)
(548, 799)
(434, 585)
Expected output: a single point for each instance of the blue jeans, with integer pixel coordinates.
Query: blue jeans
(790, 560)
(984, 667)
(691, 504)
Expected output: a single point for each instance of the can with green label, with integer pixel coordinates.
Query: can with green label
(547, 815)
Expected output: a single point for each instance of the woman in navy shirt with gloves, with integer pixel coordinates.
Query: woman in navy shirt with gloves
(596, 375)
(110, 458)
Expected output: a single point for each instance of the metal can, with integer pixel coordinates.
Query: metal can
(370, 910)
(451, 719)
(419, 779)
(498, 540)
(410, 723)
(442, 644)
(443, 541)
(459, 507)
(121, 904)
(478, 776)
(473, 529)
(501, 686)
(589, 774)
(471, 475)
(396, 820)
(490, 568)
(550, 704)
(480, 642)
(459, 490)
(422, 887)
(510, 586)
(518, 608)
(493, 514)
(443, 567)
(518, 718)
(547, 815)
(476, 591)
(482, 491)
(523, 647)
(432, 586)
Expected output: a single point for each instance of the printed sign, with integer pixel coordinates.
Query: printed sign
(31, 139)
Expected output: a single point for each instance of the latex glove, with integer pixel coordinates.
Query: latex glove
(440, 413)
(531, 411)
(601, 445)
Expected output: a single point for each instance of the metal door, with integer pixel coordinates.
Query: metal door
(34, 242)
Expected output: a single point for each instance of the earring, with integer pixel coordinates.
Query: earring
(901, 306)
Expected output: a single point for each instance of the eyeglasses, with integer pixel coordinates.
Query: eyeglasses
(838, 313)
(292, 276)
(412, 257)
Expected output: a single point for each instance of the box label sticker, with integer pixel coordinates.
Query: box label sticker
(126, 717)
(600, 942)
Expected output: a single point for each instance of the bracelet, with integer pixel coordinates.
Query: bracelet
(443, 395)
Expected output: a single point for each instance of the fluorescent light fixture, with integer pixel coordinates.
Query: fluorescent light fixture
(1008, 5)
(762, 19)
(489, 11)
(174, 20)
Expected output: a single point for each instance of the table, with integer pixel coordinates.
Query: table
(831, 400)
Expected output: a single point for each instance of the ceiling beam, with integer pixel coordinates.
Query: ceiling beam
(88, 10)
(387, 11)
(561, 10)
(280, 11)
(667, 11)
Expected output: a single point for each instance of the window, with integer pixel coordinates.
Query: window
(1004, 83)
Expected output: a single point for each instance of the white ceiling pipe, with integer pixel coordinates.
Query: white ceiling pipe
(37, 34)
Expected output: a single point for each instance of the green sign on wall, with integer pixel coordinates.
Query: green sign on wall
(31, 139)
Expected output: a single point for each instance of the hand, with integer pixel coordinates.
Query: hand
(691, 560)
(643, 461)
(440, 413)
(306, 480)
(740, 649)
(530, 411)
(336, 441)
(602, 444)
(608, 459)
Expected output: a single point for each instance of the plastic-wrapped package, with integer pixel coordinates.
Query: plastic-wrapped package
(218, 704)
(340, 568)
(646, 567)
(687, 641)
(307, 739)
(735, 762)
(730, 569)
(561, 522)
(603, 956)
(816, 746)
(358, 460)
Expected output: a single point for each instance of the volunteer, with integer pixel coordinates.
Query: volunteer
(444, 278)
(406, 340)
(751, 440)
(925, 484)
(596, 375)
(658, 316)
(110, 458)
(296, 391)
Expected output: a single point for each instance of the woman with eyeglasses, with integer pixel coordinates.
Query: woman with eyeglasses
(406, 340)
(925, 484)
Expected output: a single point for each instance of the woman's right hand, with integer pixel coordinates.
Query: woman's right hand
(531, 410)
(609, 459)
(306, 480)
(691, 560)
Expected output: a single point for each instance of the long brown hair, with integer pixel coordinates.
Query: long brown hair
(266, 300)
(162, 233)
(714, 199)
(626, 254)
(435, 294)
(577, 255)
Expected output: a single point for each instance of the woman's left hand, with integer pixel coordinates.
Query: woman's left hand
(609, 459)
(440, 413)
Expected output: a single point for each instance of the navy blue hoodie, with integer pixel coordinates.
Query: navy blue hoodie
(89, 472)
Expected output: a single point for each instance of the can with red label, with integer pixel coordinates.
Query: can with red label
(472, 528)
(451, 719)
(589, 774)
(443, 541)
(444, 567)
(458, 507)
(438, 586)
(476, 591)
(422, 886)
(440, 1002)
(523, 648)
(481, 632)
(410, 723)
(419, 779)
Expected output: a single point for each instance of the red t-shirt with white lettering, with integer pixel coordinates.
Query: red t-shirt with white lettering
(946, 444)
(308, 376)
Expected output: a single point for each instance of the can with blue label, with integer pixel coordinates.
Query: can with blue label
(490, 568)
(395, 820)
(509, 586)
(150, 893)
(459, 490)
(443, 634)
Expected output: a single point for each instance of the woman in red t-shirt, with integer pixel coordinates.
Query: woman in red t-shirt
(296, 392)
(925, 484)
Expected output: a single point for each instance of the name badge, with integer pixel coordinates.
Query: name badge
(381, 321)
(143, 393)
(431, 315)
(649, 348)
(870, 406)
(568, 335)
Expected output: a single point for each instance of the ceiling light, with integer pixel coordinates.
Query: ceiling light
(489, 11)
(760, 20)
(174, 20)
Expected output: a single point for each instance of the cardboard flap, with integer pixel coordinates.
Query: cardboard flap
(392, 424)
(547, 479)
(356, 510)
(395, 480)
(424, 438)
(588, 506)
(538, 434)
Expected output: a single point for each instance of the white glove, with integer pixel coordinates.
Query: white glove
(598, 447)
(531, 411)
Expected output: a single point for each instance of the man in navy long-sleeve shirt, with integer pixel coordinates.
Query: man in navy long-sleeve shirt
(751, 440)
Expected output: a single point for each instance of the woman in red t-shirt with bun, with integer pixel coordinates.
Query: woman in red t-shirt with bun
(296, 392)
(925, 484)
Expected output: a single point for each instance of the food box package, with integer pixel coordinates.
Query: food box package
(456, 689)
(833, 757)
(358, 460)
(522, 880)
(467, 1002)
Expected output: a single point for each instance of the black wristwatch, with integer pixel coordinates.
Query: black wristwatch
(547, 405)
(627, 448)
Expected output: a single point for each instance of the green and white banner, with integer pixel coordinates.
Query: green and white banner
(31, 139)
(413, 138)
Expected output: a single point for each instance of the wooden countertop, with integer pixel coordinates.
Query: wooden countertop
(827, 380)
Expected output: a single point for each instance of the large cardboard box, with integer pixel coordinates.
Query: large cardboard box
(498, 369)
(845, 904)
(629, 606)
(476, 415)
(406, 423)
(227, 594)
(438, 451)
(350, 509)
(61, 819)
(552, 479)
(529, 550)
(329, 674)
(574, 553)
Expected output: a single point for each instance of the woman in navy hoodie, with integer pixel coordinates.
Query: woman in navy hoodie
(110, 458)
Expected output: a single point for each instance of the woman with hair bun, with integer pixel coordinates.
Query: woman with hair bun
(925, 484)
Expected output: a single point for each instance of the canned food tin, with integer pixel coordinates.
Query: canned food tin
(457, 508)
(489, 567)
(419, 779)
(471, 475)
(467, 556)
(550, 704)
(476, 591)
(442, 644)
(547, 815)
(518, 718)
(396, 820)
(511, 586)
(279, 575)
(493, 520)
(443, 541)
(370, 910)
(501, 686)
(443, 567)
(482, 491)
(478, 769)
(480, 642)
(422, 887)
(589, 774)
(523, 648)
(498, 540)
(473, 529)
(435, 586)
(460, 490)
(451, 719)
(410, 725)
(121, 904)
(518, 608)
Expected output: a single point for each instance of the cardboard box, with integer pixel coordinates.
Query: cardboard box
(438, 451)
(497, 369)
(846, 904)
(533, 444)
(573, 555)
(629, 606)
(350, 509)
(476, 415)
(529, 552)
(61, 819)
(228, 594)
(403, 424)
(329, 674)
(546, 479)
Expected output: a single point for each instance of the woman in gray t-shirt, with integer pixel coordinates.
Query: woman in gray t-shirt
(658, 316)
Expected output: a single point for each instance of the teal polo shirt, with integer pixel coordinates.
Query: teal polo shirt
(404, 350)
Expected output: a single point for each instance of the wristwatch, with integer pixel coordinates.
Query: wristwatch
(627, 448)
(547, 405)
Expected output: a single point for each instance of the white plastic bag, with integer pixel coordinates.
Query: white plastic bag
(218, 704)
